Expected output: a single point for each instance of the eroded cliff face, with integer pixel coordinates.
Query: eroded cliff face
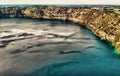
(103, 23)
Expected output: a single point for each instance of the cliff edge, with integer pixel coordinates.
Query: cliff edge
(103, 22)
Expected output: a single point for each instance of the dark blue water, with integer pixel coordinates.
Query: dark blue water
(91, 56)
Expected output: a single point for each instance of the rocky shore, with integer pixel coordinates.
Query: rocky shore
(102, 22)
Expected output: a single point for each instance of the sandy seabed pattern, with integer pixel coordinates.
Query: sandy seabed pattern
(53, 48)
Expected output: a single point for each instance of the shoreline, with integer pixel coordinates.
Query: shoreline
(102, 23)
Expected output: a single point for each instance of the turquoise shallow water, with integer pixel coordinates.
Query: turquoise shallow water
(92, 57)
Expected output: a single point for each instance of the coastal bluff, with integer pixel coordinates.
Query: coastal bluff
(103, 23)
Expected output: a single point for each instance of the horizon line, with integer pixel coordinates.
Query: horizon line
(61, 4)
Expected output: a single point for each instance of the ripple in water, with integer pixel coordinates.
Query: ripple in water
(61, 54)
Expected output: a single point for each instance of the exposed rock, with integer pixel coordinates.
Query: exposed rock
(103, 22)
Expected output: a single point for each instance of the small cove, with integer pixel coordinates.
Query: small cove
(81, 54)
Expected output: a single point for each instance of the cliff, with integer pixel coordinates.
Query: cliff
(103, 23)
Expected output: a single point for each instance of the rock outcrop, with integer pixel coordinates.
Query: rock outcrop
(103, 23)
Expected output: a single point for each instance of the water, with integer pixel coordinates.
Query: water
(87, 55)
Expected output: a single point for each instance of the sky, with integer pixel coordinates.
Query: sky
(106, 2)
